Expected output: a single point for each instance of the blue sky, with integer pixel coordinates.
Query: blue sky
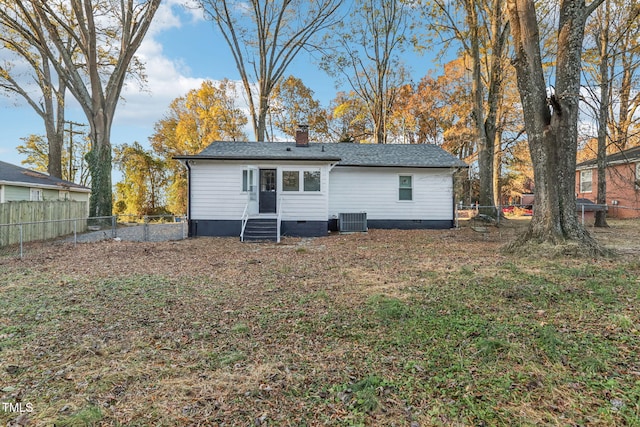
(180, 51)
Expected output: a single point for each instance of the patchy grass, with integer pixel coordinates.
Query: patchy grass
(385, 328)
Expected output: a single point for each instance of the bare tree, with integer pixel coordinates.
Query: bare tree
(601, 35)
(367, 57)
(264, 38)
(551, 120)
(626, 58)
(91, 45)
(481, 29)
(21, 36)
(610, 65)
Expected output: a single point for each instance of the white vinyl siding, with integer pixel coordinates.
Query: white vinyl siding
(14, 194)
(586, 181)
(375, 191)
(216, 192)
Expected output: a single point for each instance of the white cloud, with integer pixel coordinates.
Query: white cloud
(171, 14)
(167, 78)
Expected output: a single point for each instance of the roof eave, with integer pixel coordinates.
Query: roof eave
(377, 165)
(46, 186)
(258, 158)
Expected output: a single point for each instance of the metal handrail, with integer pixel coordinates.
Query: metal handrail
(279, 219)
(245, 219)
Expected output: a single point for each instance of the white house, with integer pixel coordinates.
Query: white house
(261, 190)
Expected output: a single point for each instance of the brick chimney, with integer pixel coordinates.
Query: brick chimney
(302, 136)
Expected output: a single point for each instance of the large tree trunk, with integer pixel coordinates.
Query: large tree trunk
(99, 162)
(484, 144)
(495, 95)
(497, 169)
(552, 134)
(262, 118)
(603, 118)
(55, 139)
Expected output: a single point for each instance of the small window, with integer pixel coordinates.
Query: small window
(36, 195)
(247, 180)
(586, 181)
(311, 180)
(290, 181)
(638, 176)
(406, 188)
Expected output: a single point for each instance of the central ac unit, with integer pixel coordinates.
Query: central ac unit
(353, 222)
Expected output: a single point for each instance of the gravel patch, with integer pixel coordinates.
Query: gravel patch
(136, 233)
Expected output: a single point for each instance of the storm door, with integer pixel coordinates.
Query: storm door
(267, 191)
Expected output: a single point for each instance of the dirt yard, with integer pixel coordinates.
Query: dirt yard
(410, 328)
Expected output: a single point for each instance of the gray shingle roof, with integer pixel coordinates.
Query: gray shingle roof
(627, 156)
(11, 173)
(346, 154)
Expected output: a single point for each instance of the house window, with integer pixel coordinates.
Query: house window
(638, 176)
(586, 181)
(301, 180)
(290, 181)
(247, 180)
(36, 195)
(405, 191)
(311, 180)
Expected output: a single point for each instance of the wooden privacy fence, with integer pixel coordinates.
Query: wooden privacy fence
(29, 221)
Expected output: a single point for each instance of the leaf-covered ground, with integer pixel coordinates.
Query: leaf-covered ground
(396, 328)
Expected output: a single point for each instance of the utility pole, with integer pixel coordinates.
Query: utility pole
(71, 133)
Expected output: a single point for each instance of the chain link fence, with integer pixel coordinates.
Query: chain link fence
(494, 214)
(21, 238)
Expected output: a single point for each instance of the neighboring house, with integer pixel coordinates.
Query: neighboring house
(18, 184)
(623, 183)
(305, 188)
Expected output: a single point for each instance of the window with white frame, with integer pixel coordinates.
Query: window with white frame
(405, 190)
(586, 181)
(311, 180)
(247, 180)
(290, 180)
(301, 180)
(638, 176)
(36, 195)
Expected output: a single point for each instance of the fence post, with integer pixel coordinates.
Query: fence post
(145, 233)
(185, 227)
(21, 249)
(114, 233)
(75, 232)
(583, 214)
(455, 213)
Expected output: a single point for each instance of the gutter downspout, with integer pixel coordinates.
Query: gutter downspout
(453, 188)
(189, 230)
